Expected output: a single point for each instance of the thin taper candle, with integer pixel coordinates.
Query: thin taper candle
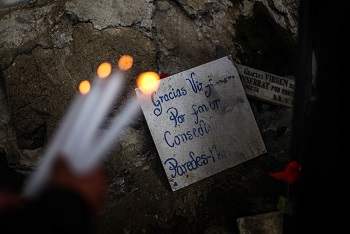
(40, 175)
(105, 141)
(69, 148)
(105, 101)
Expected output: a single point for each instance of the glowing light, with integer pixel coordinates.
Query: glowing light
(125, 62)
(84, 87)
(148, 82)
(104, 70)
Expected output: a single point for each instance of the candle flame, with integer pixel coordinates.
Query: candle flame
(148, 82)
(104, 69)
(125, 62)
(84, 87)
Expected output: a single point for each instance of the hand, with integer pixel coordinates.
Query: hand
(92, 186)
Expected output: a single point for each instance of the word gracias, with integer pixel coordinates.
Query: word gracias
(179, 92)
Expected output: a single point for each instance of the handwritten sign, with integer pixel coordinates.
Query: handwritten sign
(266, 86)
(201, 122)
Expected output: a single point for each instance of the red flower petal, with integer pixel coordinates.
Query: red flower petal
(163, 75)
(290, 174)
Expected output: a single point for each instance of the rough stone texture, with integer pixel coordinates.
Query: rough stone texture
(11, 3)
(269, 223)
(181, 42)
(281, 12)
(48, 78)
(7, 134)
(48, 47)
(111, 13)
(193, 32)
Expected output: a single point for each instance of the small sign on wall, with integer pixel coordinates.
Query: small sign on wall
(266, 86)
(201, 122)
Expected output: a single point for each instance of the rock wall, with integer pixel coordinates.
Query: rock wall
(48, 47)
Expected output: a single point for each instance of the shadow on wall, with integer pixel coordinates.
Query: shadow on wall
(265, 45)
(17, 179)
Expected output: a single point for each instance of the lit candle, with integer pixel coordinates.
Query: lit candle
(87, 107)
(77, 138)
(147, 83)
(89, 128)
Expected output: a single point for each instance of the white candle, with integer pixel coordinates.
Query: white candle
(77, 138)
(40, 175)
(105, 141)
(69, 148)
(110, 91)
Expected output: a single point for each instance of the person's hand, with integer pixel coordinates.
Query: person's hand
(92, 186)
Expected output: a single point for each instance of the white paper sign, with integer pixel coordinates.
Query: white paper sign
(266, 86)
(202, 123)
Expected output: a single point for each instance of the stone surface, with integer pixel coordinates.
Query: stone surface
(48, 47)
(269, 223)
(181, 41)
(111, 13)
